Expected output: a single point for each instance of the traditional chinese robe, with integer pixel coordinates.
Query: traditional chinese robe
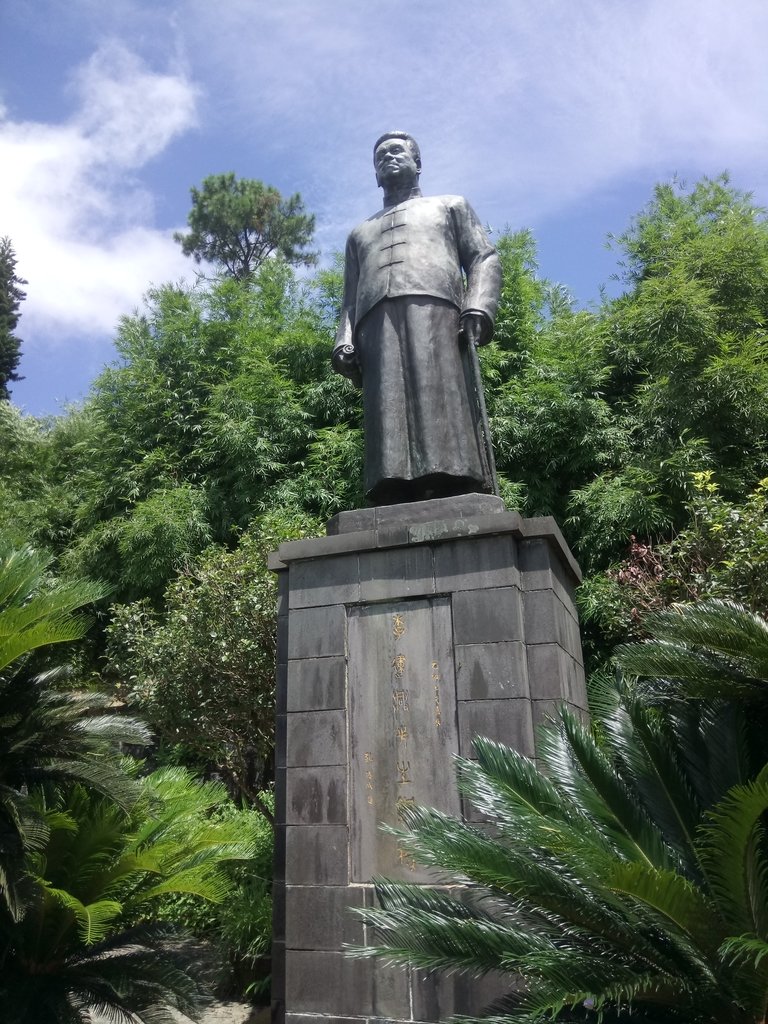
(410, 272)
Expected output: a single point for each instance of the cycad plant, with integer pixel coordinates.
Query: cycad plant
(47, 731)
(622, 875)
(90, 940)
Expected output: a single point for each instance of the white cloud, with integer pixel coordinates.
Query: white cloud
(80, 221)
(526, 106)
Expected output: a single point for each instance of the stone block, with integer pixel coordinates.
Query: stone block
(321, 917)
(278, 860)
(506, 721)
(316, 738)
(281, 639)
(398, 572)
(545, 619)
(278, 983)
(316, 796)
(491, 671)
(317, 632)
(476, 563)
(345, 987)
(437, 997)
(315, 978)
(548, 672)
(487, 616)
(316, 684)
(316, 854)
(542, 569)
(323, 547)
(320, 1018)
(280, 795)
(353, 521)
(281, 688)
(279, 896)
(462, 506)
(377, 990)
(281, 734)
(332, 580)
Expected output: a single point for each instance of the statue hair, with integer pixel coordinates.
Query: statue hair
(412, 144)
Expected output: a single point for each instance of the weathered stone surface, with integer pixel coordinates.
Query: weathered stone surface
(319, 916)
(316, 684)
(491, 671)
(461, 506)
(281, 733)
(405, 639)
(506, 721)
(345, 987)
(476, 563)
(317, 796)
(403, 572)
(316, 738)
(316, 854)
(403, 729)
(549, 672)
(439, 997)
(316, 632)
(339, 582)
(541, 569)
(487, 616)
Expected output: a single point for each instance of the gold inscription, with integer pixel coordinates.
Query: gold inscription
(398, 625)
(400, 700)
(403, 767)
(406, 858)
(398, 664)
(402, 733)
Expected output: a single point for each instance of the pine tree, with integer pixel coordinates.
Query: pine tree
(11, 296)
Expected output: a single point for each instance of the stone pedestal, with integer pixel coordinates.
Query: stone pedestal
(403, 634)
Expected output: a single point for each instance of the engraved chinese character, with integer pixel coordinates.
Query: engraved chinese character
(403, 767)
(406, 858)
(435, 671)
(398, 625)
(402, 733)
(398, 664)
(400, 700)
(438, 720)
(370, 799)
(368, 757)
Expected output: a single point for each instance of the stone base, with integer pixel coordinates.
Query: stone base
(403, 634)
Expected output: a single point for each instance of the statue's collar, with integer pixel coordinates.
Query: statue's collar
(395, 198)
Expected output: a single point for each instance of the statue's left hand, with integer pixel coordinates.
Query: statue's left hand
(475, 328)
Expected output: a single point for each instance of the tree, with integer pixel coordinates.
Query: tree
(721, 553)
(239, 223)
(48, 734)
(90, 939)
(11, 297)
(203, 671)
(622, 877)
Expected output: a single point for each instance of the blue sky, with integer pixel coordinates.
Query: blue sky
(557, 115)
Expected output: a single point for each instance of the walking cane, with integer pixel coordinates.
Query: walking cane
(476, 383)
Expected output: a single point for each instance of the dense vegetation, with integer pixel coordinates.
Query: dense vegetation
(641, 425)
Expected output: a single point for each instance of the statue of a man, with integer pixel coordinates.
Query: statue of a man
(421, 283)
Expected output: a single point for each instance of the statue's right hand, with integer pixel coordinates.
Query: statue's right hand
(346, 363)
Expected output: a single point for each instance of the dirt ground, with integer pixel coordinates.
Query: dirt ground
(232, 1013)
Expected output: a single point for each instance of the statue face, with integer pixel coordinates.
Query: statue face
(395, 165)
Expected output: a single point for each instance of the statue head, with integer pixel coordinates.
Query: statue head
(397, 159)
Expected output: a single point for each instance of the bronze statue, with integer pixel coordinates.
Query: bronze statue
(408, 331)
